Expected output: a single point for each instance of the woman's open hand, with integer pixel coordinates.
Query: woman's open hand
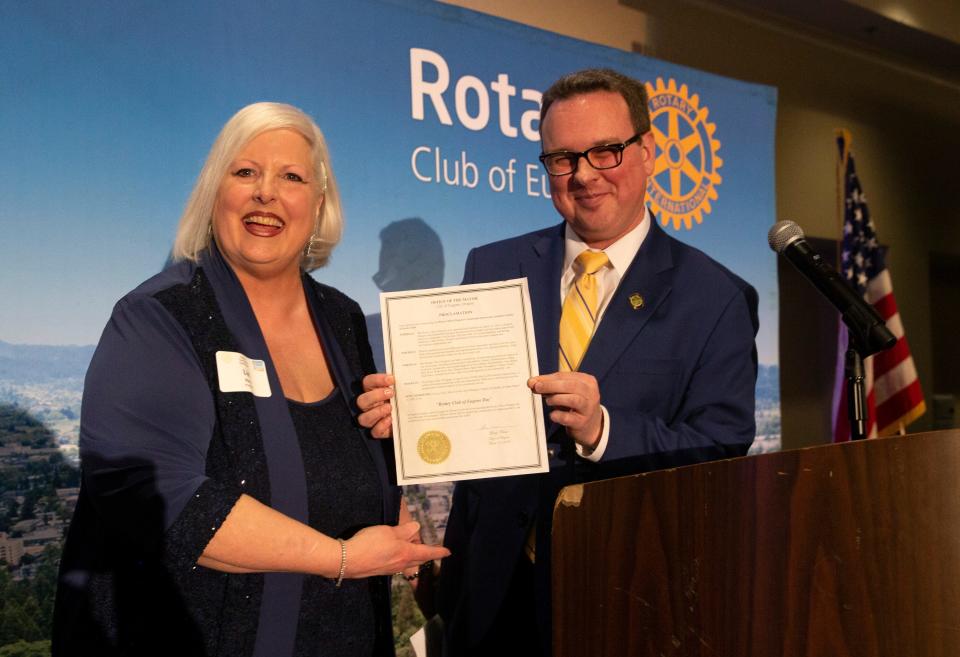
(386, 550)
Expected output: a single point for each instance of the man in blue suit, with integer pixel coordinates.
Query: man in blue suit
(666, 379)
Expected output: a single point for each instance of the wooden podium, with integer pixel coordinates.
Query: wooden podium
(831, 551)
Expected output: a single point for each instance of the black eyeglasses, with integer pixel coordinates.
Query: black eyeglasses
(605, 156)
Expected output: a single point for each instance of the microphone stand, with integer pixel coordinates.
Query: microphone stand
(868, 335)
(856, 387)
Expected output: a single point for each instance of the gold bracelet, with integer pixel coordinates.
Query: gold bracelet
(343, 561)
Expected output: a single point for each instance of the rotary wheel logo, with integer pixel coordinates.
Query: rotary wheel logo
(685, 177)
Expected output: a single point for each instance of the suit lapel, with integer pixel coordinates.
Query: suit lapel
(541, 263)
(648, 276)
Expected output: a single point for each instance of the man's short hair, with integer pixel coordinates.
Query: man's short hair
(601, 79)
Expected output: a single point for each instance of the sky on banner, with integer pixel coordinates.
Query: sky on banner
(430, 111)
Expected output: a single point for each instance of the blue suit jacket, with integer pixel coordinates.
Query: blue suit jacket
(676, 375)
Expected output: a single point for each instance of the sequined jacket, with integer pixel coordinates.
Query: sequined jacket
(165, 455)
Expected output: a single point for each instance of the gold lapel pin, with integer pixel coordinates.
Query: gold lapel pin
(636, 301)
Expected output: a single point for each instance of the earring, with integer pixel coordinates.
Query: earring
(311, 243)
(314, 239)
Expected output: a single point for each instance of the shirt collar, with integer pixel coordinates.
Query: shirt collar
(620, 253)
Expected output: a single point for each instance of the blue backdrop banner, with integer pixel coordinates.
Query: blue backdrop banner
(431, 113)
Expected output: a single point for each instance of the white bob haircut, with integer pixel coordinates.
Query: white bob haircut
(194, 232)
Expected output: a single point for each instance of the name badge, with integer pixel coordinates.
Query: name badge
(237, 373)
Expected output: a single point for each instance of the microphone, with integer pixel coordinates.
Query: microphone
(868, 331)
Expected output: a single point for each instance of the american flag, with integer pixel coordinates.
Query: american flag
(894, 397)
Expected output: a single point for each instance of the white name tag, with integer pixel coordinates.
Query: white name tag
(237, 373)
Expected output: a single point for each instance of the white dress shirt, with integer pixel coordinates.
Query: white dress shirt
(621, 253)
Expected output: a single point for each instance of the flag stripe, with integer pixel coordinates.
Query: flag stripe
(893, 357)
(879, 286)
(895, 325)
(888, 383)
(886, 306)
(890, 412)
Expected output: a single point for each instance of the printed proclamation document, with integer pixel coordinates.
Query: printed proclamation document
(461, 357)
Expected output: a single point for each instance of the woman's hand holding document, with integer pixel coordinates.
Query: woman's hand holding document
(460, 357)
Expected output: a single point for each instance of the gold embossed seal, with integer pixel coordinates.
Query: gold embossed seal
(433, 447)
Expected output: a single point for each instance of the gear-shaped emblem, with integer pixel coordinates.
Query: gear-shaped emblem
(685, 177)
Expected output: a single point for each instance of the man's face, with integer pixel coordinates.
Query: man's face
(600, 205)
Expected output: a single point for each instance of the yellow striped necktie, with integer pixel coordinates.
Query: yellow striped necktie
(577, 321)
(579, 316)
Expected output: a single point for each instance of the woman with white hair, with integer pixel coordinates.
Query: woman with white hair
(230, 503)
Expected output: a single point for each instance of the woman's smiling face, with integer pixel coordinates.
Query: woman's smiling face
(267, 204)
